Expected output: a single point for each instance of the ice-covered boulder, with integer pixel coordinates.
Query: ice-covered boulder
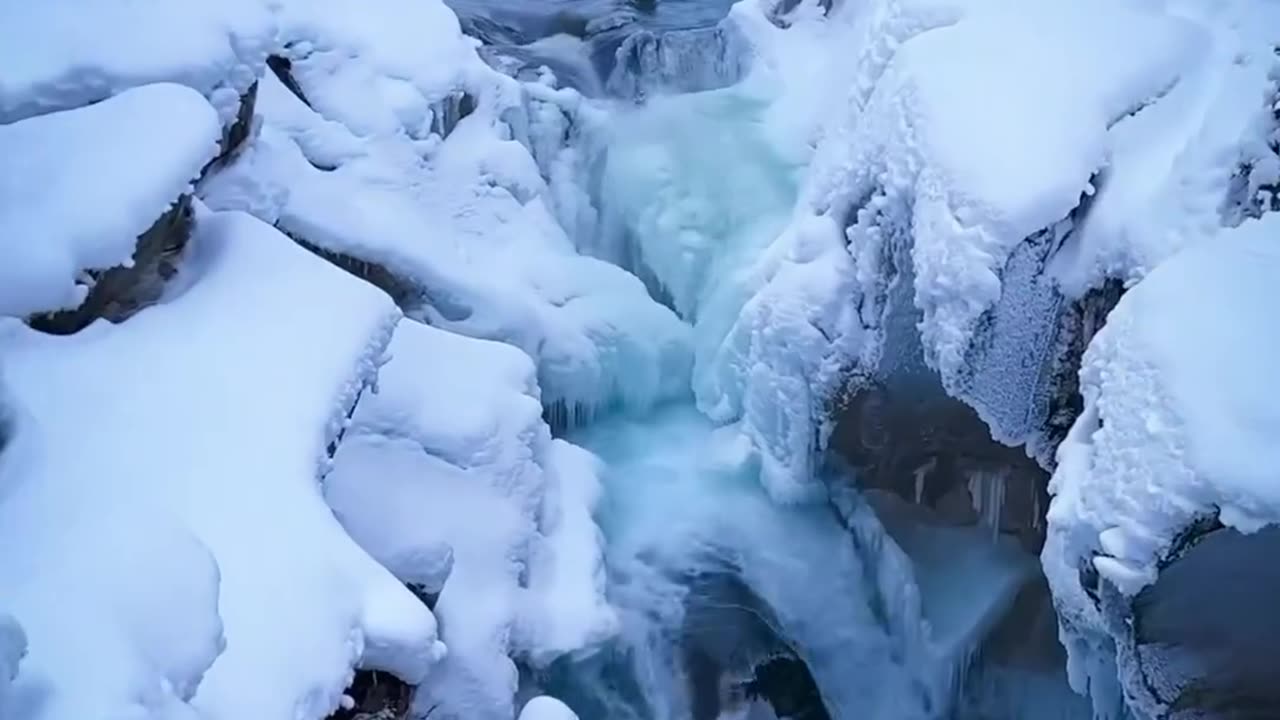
(92, 198)
(449, 468)
(171, 463)
(1176, 439)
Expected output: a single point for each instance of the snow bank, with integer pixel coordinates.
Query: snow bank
(451, 458)
(170, 463)
(61, 55)
(1179, 426)
(77, 188)
(465, 225)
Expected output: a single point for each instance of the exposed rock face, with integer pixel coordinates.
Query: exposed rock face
(120, 292)
(1203, 660)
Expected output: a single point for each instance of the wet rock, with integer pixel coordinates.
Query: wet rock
(237, 133)
(117, 293)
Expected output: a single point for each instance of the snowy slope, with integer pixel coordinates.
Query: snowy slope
(59, 218)
(1179, 427)
(171, 463)
(450, 464)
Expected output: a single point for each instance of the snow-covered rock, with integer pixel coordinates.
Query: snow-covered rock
(78, 188)
(171, 464)
(462, 228)
(1178, 430)
(449, 466)
(63, 55)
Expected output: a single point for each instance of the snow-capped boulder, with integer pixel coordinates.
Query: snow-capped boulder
(544, 707)
(1176, 439)
(93, 199)
(171, 463)
(449, 468)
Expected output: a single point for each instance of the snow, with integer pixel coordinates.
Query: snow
(1178, 425)
(543, 707)
(57, 215)
(451, 458)
(147, 465)
(468, 224)
(13, 647)
(61, 55)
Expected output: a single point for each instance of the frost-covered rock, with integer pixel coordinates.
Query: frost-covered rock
(79, 188)
(171, 464)
(463, 228)
(1178, 427)
(449, 466)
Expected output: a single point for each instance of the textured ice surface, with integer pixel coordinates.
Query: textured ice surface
(59, 213)
(171, 464)
(1178, 427)
(450, 466)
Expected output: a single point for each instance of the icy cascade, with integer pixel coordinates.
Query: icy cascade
(687, 522)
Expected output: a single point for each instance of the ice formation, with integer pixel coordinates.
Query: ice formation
(449, 471)
(270, 475)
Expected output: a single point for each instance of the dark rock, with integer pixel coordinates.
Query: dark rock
(1203, 636)
(450, 111)
(119, 292)
(378, 696)
(282, 68)
(235, 134)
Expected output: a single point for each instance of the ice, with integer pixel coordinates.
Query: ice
(1177, 427)
(465, 226)
(450, 466)
(147, 465)
(58, 217)
(62, 55)
(687, 520)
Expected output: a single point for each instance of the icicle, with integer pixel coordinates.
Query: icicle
(986, 493)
